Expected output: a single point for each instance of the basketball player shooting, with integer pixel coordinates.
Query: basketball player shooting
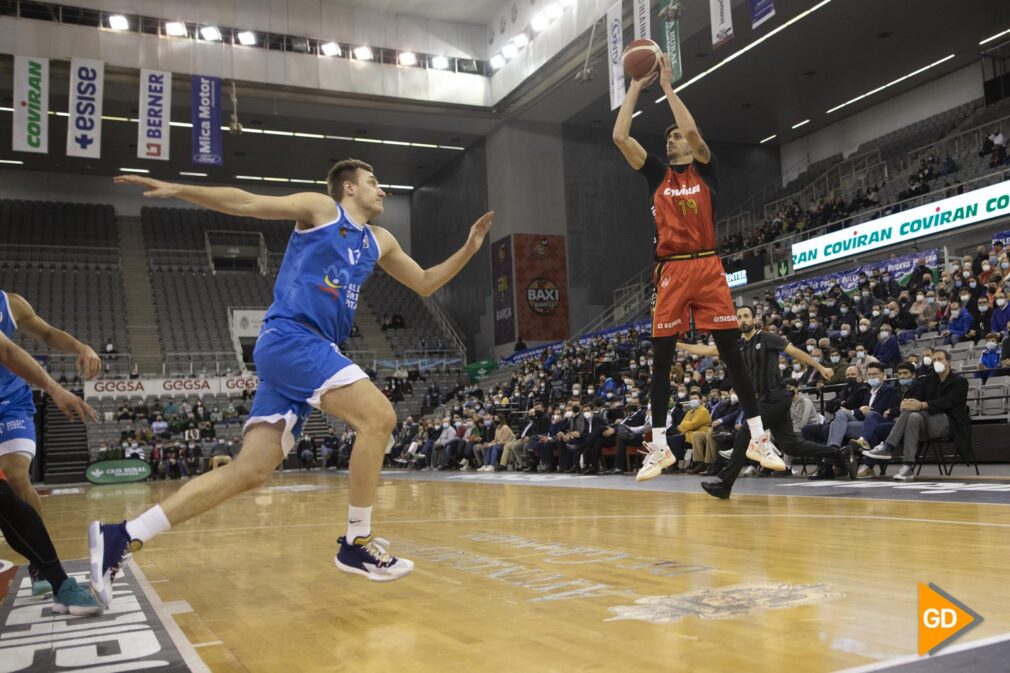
(688, 275)
(329, 256)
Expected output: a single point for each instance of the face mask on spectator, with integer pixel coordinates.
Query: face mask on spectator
(813, 325)
(555, 418)
(733, 398)
(926, 360)
(1001, 302)
(944, 302)
(782, 366)
(590, 391)
(973, 285)
(844, 333)
(884, 335)
(991, 345)
(810, 348)
(1004, 265)
(905, 382)
(587, 415)
(955, 313)
(694, 404)
(920, 297)
(835, 359)
(930, 300)
(873, 382)
(865, 293)
(887, 312)
(986, 267)
(843, 310)
(864, 328)
(568, 414)
(966, 274)
(876, 314)
(860, 355)
(650, 362)
(939, 367)
(796, 366)
(633, 366)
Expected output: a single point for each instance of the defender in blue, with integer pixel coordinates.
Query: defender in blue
(331, 253)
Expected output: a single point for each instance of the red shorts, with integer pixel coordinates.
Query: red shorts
(697, 285)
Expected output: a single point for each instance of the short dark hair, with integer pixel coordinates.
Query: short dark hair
(875, 365)
(342, 171)
(907, 366)
(670, 129)
(749, 308)
(937, 351)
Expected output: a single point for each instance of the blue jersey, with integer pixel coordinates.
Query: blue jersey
(320, 280)
(12, 387)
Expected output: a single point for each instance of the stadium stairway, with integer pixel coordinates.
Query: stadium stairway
(66, 445)
(372, 336)
(141, 323)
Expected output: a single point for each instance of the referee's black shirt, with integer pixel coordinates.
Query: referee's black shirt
(761, 360)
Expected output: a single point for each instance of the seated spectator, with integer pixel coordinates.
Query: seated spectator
(887, 351)
(990, 359)
(345, 447)
(191, 434)
(397, 322)
(221, 455)
(937, 408)
(173, 463)
(125, 413)
(330, 444)
(110, 348)
(216, 415)
(876, 425)
(230, 414)
(520, 345)
(194, 458)
(948, 165)
(386, 323)
(306, 451)
(160, 427)
(492, 453)
(848, 423)
(999, 153)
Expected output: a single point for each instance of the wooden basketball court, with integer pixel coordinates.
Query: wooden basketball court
(563, 574)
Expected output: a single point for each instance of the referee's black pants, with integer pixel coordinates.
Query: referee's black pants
(774, 407)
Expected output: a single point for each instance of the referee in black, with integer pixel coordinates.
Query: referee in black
(760, 351)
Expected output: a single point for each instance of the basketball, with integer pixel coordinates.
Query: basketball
(641, 58)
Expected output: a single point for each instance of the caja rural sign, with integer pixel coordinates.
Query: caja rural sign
(933, 218)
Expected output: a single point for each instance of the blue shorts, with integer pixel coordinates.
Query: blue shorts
(296, 368)
(17, 424)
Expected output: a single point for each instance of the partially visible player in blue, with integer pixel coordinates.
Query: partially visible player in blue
(331, 253)
(17, 411)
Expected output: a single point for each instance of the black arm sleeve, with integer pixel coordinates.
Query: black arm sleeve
(654, 171)
(774, 341)
(710, 173)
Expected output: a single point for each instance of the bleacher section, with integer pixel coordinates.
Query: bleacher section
(45, 223)
(387, 296)
(184, 228)
(87, 304)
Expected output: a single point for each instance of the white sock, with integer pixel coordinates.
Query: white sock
(359, 522)
(147, 525)
(659, 438)
(756, 428)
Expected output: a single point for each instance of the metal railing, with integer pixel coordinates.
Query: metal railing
(215, 363)
(225, 237)
(167, 259)
(833, 180)
(60, 255)
(435, 308)
(114, 365)
(360, 357)
(424, 360)
(959, 144)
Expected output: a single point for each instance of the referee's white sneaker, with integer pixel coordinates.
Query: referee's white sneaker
(763, 451)
(654, 463)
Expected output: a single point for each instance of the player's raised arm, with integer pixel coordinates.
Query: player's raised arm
(29, 322)
(630, 148)
(685, 122)
(14, 358)
(309, 208)
(426, 282)
(699, 349)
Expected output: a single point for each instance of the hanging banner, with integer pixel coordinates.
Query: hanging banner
(670, 39)
(84, 121)
(541, 273)
(722, 22)
(900, 268)
(207, 143)
(643, 26)
(31, 104)
(1002, 238)
(615, 47)
(761, 11)
(154, 129)
(503, 299)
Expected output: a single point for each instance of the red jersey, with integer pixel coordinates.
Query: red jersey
(683, 204)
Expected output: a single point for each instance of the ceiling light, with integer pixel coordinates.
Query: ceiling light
(11, 161)
(247, 38)
(771, 137)
(995, 37)
(118, 22)
(176, 29)
(210, 33)
(401, 187)
(552, 11)
(497, 61)
(802, 123)
(368, 140)
(134, 170)
(276, 179)
(451, 147)
(407, 58)
(331, 49)
(636, 114)
(248, 177)
(892, 83)
(747, 48)
(539, 22)
(427, 145)
(363, 53)
(521, 40)
(193, 175)
(439, 62)
(509, 51)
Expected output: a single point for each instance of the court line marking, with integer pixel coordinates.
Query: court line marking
(911, 658)
(209, 643)
(165, 612)
(588, 517)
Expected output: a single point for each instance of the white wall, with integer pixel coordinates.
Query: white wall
(844, 137)
(39, 186)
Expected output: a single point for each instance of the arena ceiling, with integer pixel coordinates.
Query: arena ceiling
(840, 51)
